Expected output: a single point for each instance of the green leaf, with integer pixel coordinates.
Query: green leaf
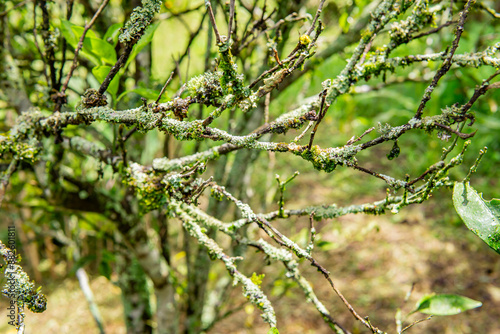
(145, 40)
(111, 35)
(78, 32)
(326, 245)
(103, 50)
(445, 304)
(273, 330)
(480, 216)
(100, 73)
(68, 33)
(72, 32)
(95, 49)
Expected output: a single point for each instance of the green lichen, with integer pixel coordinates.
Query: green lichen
(92, 98)
(20, 150)
(183, 130)
(140, 19)
(250, 290)
(230, 81)
(149, 190)
(400, 32)
(205, 88)
(18, 287)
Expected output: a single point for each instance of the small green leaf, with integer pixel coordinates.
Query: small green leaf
(95, 49)
(68, 34)
(111, 35)
(72, 32)
(480, 216)
(103, 50)
(326, 245)
(273, 330)
(445, 304)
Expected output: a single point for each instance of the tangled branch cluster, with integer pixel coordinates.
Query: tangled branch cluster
(175, 185)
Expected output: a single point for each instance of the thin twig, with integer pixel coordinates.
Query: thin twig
(294, 17)
(434, 168)
(389, 180)
(251, 12)
(489, 10)
(80, 45)
(212, 19)
(367, 49)
(49, 46)
(480, 91)
(35, 39)
(130, 133)
(318, 12)
(432, 31)
(458, 133)
(277, 57)
(231, 19)
(282, 240)
(266, 108)
(322, 112)
(415, 322)
(164, 87)
(117, 66)
(473, 168)
(447, 62)
(354, 139)
(69, 12)
(192, 37)
(466, 107)
(178, 71)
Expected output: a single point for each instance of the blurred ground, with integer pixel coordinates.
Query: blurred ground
(374, 260)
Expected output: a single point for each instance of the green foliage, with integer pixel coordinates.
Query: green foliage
(133, 177)
(97, 50)
(273, 330)
(480, 216)
(445, 304)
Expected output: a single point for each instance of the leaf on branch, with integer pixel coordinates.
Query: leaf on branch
(480, 216)
(102, 49)
(111, 35)
(445, 304)
(95, 49)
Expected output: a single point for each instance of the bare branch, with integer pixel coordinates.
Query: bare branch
(77, 51)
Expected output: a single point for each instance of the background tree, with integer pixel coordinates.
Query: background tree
(142, 140)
